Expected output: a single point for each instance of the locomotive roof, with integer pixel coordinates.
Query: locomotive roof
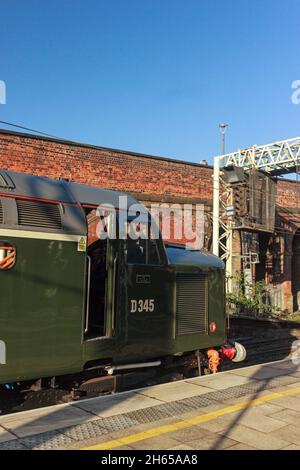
(41, 187)
(177, 254)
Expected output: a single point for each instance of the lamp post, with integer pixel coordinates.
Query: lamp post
(223, 128)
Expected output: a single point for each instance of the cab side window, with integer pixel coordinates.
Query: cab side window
(7, 256)
(139, 248)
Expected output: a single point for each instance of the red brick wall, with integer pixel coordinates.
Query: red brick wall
(149, 178)
(106, 168)
(288, 193)
(120, 170)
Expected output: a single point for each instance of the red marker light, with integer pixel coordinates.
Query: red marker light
(212, 327)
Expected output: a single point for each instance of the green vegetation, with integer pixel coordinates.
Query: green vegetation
(249, 299)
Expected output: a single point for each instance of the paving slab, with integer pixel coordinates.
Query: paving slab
(124, 403)
(217, 425)
(268, 409)
(295, 373)
(6, 435)
(250, 396)
(260, 372)
(174, 391)
(191, 433)
(256, 439)
(289, 433)
(181, 447)
(82, 444)
(287, 365)
(292, 403)
(43, 420)
(294, 384)
(212, 443)
(253, 418)
(288, 416)
(123, 448)
(216, 382)
(14, 444)
(292, 447)
(51, 440)
(240, 446)
(163, 442)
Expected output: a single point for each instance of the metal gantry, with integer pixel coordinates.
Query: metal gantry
(278, 158)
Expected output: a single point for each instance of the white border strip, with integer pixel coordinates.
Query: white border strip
(40, 235)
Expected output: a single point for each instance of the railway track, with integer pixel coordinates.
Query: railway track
(264, 340)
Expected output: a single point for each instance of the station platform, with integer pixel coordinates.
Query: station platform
(255, 407)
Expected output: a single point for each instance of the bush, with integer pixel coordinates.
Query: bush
(252, 303)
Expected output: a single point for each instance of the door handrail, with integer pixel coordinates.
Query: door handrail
(113, 302)
(87, 308)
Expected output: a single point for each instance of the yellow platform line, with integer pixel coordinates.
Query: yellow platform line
(186, 423)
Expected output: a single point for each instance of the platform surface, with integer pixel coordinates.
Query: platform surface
(256, 407)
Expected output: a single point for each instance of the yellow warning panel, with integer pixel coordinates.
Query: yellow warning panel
(81, 246)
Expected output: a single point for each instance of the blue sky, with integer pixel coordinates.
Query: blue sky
(152, 76)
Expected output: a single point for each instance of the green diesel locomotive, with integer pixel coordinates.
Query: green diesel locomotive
(77, 305)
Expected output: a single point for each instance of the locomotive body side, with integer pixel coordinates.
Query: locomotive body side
(68, 305)
(41, 307)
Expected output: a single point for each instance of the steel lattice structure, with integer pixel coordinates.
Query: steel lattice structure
(278, 158)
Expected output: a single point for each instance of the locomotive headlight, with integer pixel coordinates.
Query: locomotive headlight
(212, 327)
